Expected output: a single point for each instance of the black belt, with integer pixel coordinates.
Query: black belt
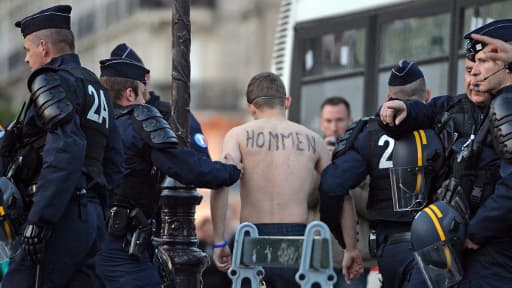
(78, 194)
(398, 238)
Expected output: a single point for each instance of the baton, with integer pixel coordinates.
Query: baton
(38, 277)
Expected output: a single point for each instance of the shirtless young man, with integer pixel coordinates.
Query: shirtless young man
(279, 158)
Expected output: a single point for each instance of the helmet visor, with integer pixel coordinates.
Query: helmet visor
(439, 264)
(408, 188)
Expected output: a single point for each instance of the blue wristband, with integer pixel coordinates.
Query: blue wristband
(221, 245)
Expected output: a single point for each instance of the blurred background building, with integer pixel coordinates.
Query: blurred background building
(231, 40)
(320, 48)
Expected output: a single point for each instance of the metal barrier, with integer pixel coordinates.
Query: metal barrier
(311, 254)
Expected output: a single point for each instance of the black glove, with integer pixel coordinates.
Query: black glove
(451, 192)
(34, 241)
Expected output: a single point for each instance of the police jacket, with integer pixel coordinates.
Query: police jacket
(370, 154)
(146, 162)
(79, 149)
(197, 140)
(490, 220)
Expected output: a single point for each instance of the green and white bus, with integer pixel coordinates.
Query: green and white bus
(346, 48)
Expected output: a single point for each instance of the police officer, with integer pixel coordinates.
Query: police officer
(67, 160)
(150, 151)
(479, 183)
(365, 150)
(198, 140)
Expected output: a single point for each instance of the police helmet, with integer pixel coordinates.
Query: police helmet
(417, 159)
(437, 238)
(12, 212)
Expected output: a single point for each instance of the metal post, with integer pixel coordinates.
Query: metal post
(179, 201)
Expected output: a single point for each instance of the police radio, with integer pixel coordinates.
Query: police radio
(477, 86)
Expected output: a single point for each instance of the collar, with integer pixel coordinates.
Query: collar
(70, 59)
(506, 89)
(154, 99)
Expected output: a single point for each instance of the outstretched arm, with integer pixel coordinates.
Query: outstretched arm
(352, 260)
(219, 205)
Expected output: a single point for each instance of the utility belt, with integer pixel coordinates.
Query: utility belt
(77, 195)
(132, 227)
(387, 233)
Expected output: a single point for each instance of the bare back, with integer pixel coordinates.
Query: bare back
(279, 159)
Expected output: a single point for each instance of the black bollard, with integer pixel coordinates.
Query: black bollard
(179, 235)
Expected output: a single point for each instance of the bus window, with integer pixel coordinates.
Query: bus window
(312, 96)
(335, 52)
(415, 38)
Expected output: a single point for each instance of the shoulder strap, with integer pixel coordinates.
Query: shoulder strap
(349, 137)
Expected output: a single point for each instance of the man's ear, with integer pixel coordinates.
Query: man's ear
(44, 47)
(287, 102)
(251, 109)
(129, 95)
(428, 94)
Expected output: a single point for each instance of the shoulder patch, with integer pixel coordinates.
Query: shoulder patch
(200, 140)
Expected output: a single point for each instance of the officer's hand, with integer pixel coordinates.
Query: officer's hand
(228, 159)
(393, 112)
(222, 258)
(470, 244)
(34, 241)
(352, 264)
(497, 50)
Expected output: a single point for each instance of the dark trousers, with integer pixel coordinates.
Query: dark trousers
(396, 260)
(280, 277)
(116, 269)
(489, 266)
(70, 252)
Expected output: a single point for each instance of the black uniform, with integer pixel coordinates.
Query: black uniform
(70, 160)
(485, 181)
(366, 150)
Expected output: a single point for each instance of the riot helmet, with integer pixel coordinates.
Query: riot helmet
(437, 238)
(417, 161)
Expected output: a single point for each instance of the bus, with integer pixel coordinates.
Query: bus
(347, 48)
